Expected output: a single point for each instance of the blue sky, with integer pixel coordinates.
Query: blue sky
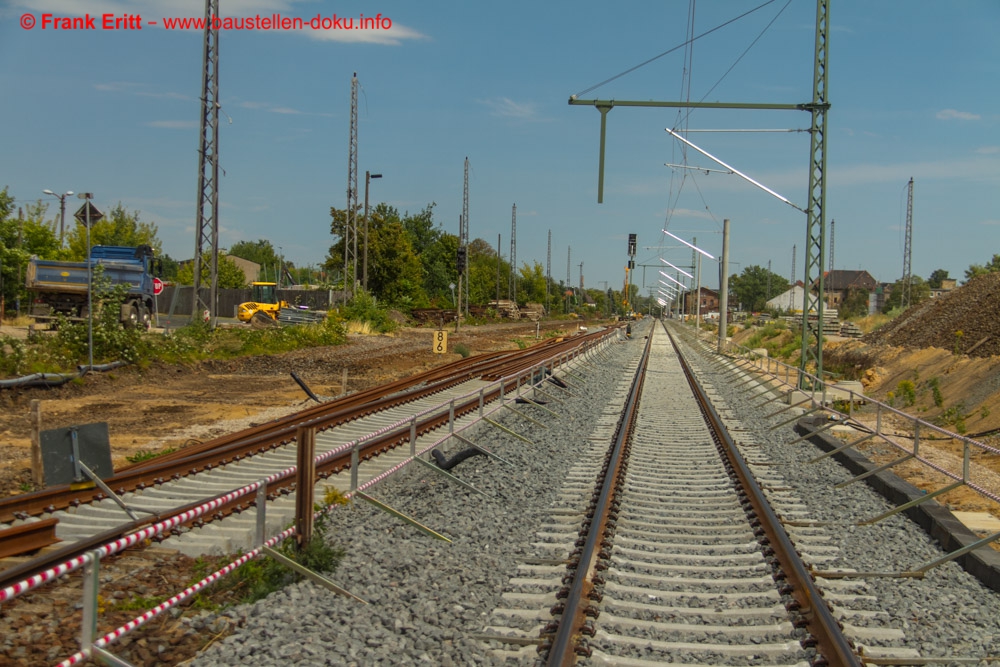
(914, 87)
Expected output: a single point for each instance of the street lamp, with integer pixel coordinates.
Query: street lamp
(62, 212)
(368, 177)
(86, 197)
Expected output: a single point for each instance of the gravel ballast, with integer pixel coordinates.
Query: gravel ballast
(428, 599)
(948, 614)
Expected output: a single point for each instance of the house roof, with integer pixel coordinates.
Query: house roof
(834, 281)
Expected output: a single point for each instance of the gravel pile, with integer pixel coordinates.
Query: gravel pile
(949, 613)
(964, 320)
(427, 598)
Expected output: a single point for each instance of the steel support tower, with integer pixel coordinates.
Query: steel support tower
(464, 240)
(812, 344)
(206, 240)
(351, 222)
(548, 271)
(569, 265)
(512, 288)
(812, 350)
(908, 248)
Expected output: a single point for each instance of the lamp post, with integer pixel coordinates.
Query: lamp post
(86, 197)
(62, 212)
(364, 279)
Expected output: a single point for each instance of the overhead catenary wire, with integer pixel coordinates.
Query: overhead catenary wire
(673, 49)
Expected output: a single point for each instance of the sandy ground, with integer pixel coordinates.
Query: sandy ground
(169, 406)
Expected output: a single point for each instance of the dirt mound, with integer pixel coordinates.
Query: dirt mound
(964, 321)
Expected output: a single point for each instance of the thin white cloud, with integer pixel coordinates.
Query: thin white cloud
(394, 36)
(508, 108)
(990, 222)
(273, 108)
(988, 150)
(955, 114)
(140, 90)
(173, 124)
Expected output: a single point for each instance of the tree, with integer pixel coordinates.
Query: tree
(482, 260)
(260, 251)
(118, 227)
(976, 270)
(936, 278)
(919, 291)
(395, 273)
(20, 238)
(531, 283)
(230, 275)
(855, 304)
(751, 287)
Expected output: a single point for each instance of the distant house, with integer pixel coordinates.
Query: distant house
(836, 285)
(789, 301)
(709, 301)
(250, 269)
(947, 285)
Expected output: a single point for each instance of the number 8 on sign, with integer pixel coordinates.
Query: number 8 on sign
(440, 342)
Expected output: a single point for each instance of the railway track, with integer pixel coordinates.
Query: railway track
(702, 558)
(679, 558)
(174, 484)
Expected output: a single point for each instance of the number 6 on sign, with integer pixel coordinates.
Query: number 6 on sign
(440, 342)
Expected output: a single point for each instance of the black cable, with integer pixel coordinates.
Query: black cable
(679, 46)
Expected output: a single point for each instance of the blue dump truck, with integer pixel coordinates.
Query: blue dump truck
(60, 288)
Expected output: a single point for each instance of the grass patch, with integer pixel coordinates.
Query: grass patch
(146, 455)
(462, 350)
(260, 577)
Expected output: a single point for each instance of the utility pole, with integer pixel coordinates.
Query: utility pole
(498, 270)
(581, 278)
(548, 271)
(364, 274)
(791, 293)
(768, 292)
(464, 239)
(724, 287)
(512, 288)
(351, 227)
(461, 272)
(569, 263)
(206, 240)
(829, 303)
(908, 248)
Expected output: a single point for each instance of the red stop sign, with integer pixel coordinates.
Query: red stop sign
(157, 286)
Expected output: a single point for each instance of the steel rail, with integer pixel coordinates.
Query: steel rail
(831, 643)
(567, 635)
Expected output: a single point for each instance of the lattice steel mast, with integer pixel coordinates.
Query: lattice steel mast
(351, 222)
(464, 240)
(206, 240)
(548, 271)
(908, 248)
(512, 288)
(812, 350)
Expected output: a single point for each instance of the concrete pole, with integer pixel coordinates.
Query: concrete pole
(697, 317)
(724, 287)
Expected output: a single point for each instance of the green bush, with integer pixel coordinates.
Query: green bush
(364, 308)
(907, 392)
(462, 350)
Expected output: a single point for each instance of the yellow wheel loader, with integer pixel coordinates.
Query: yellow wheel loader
(263, 309)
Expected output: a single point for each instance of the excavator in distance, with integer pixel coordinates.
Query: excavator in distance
(264, 307)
